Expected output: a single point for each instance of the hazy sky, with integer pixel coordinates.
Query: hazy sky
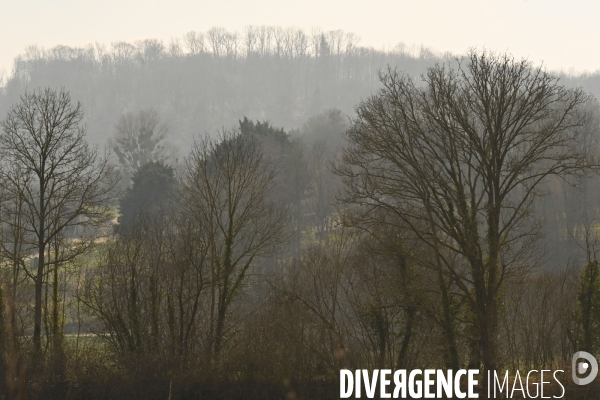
(561, 33)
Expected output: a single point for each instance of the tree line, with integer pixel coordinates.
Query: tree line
(199, 82)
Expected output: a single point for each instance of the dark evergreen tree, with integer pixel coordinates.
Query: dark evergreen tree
(293, 178)
(151, 194)
(264, 131)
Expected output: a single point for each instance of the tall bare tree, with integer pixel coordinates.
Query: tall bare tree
(227, 185)
(62, 186)
(460, 159)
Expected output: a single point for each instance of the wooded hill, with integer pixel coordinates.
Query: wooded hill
(204, 81)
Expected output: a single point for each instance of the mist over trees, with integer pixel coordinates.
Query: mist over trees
(276, 205)
(206, 80)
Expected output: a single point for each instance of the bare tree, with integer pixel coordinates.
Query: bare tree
(231, 42)
(175, 49)
(62, 186)
(460, 160)
(300, 43)
(352, 41)
(316, 281)
(227, 185)
(194, 42)
(217, 38)
(139, 139)
(279, 41)
(250, 39)
(122, 52)
(265, 35)
(150, 50)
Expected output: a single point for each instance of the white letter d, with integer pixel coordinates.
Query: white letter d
(344, 373)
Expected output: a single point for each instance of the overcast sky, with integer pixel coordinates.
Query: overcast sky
(563, 34)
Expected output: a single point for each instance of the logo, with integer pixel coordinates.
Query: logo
(582, 367)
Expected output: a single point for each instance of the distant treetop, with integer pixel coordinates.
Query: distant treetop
(263, 130)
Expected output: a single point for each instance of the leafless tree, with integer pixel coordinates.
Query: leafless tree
(227, 185)
(194, 42)
(150, 50)
(217, 38)
(62, 186)
(175, 49)
(231, 41)
(300, 43)
(278, 34)
(351, 40)
(460, 159)
(317, 281)
(250, 39)
(122, 52)
(265, 35)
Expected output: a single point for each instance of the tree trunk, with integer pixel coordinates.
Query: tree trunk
(37, 317)
(452, 350)
(401, 362)
(57, 334)
(488, 343)
(3, 347)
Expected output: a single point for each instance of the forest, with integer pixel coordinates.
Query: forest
(241, 215)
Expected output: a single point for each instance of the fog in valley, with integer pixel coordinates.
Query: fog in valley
(306, 83)
(241, 214)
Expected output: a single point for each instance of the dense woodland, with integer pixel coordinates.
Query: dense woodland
(241, 215)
